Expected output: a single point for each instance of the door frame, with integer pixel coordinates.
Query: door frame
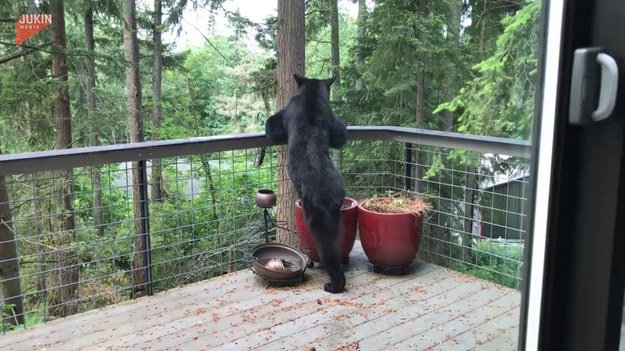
(573, 296)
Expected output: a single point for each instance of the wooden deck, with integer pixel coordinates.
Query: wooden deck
(431, 308)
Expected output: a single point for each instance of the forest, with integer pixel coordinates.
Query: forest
(113, 71)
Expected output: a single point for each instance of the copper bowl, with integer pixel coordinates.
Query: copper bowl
(296, 261)
(265, 198)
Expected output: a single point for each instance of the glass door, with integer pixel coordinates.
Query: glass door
(573, 298)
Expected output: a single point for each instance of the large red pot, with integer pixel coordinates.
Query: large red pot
(390, 240)
(347, 234)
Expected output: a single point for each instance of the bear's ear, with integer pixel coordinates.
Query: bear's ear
(300, 80)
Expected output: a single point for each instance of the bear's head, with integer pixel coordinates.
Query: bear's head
(316, 85)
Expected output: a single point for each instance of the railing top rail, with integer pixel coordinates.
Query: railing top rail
(40, 161)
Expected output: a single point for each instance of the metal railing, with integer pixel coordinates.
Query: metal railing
(83, 231)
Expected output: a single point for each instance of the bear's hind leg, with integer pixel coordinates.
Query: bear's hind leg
(324, 228)
(335, 270)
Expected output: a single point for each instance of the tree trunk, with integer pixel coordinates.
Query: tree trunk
(39, 202)
(420, 106)
(62, 303)
(157, 73)
(482, 27)
(420, 96)
(133, 106)
(9, 264)
(361, 21)
(334, 41)
(204, 159)
(291, 51)
(336, 62)
(421, 76)
(62, 114)
(451, 83)
(94, 140)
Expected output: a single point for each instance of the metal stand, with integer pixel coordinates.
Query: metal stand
(266, 219)
(266, 199)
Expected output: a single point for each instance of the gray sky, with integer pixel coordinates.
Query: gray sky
(195, 21)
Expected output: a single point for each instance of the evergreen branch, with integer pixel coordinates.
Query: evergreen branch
(263, 87)
(79, 53)
(29, 50)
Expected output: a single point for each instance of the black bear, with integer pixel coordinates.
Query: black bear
(309, 128)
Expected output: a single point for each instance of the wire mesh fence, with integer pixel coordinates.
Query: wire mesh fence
(79, 239)
(478, 202)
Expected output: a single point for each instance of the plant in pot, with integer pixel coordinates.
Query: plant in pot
(390, 230)
(347, 233)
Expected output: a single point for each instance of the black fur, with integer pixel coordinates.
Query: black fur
(310, 129)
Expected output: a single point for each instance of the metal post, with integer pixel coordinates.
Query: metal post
(266, 217)
(468, 214)
(408, 167)
(145, 223)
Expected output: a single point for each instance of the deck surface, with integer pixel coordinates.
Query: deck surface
(432, 308)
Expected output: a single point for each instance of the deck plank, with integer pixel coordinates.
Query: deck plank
(461, 304)
(375, 333)
(483, 336)
(431, 308)
(332, 332)
(505, 341)
(211, 324)
(452, 328)
(63, 329)
(343, 309)
(206, 311)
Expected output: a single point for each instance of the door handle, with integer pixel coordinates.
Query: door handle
(588, 90)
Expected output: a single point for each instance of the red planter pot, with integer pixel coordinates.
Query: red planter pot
(347, 236)
(390, 240)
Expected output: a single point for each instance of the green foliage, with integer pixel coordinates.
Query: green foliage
(318, 48)
(478, 79)
(496, 263)
(399, 41)
(500, 100)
